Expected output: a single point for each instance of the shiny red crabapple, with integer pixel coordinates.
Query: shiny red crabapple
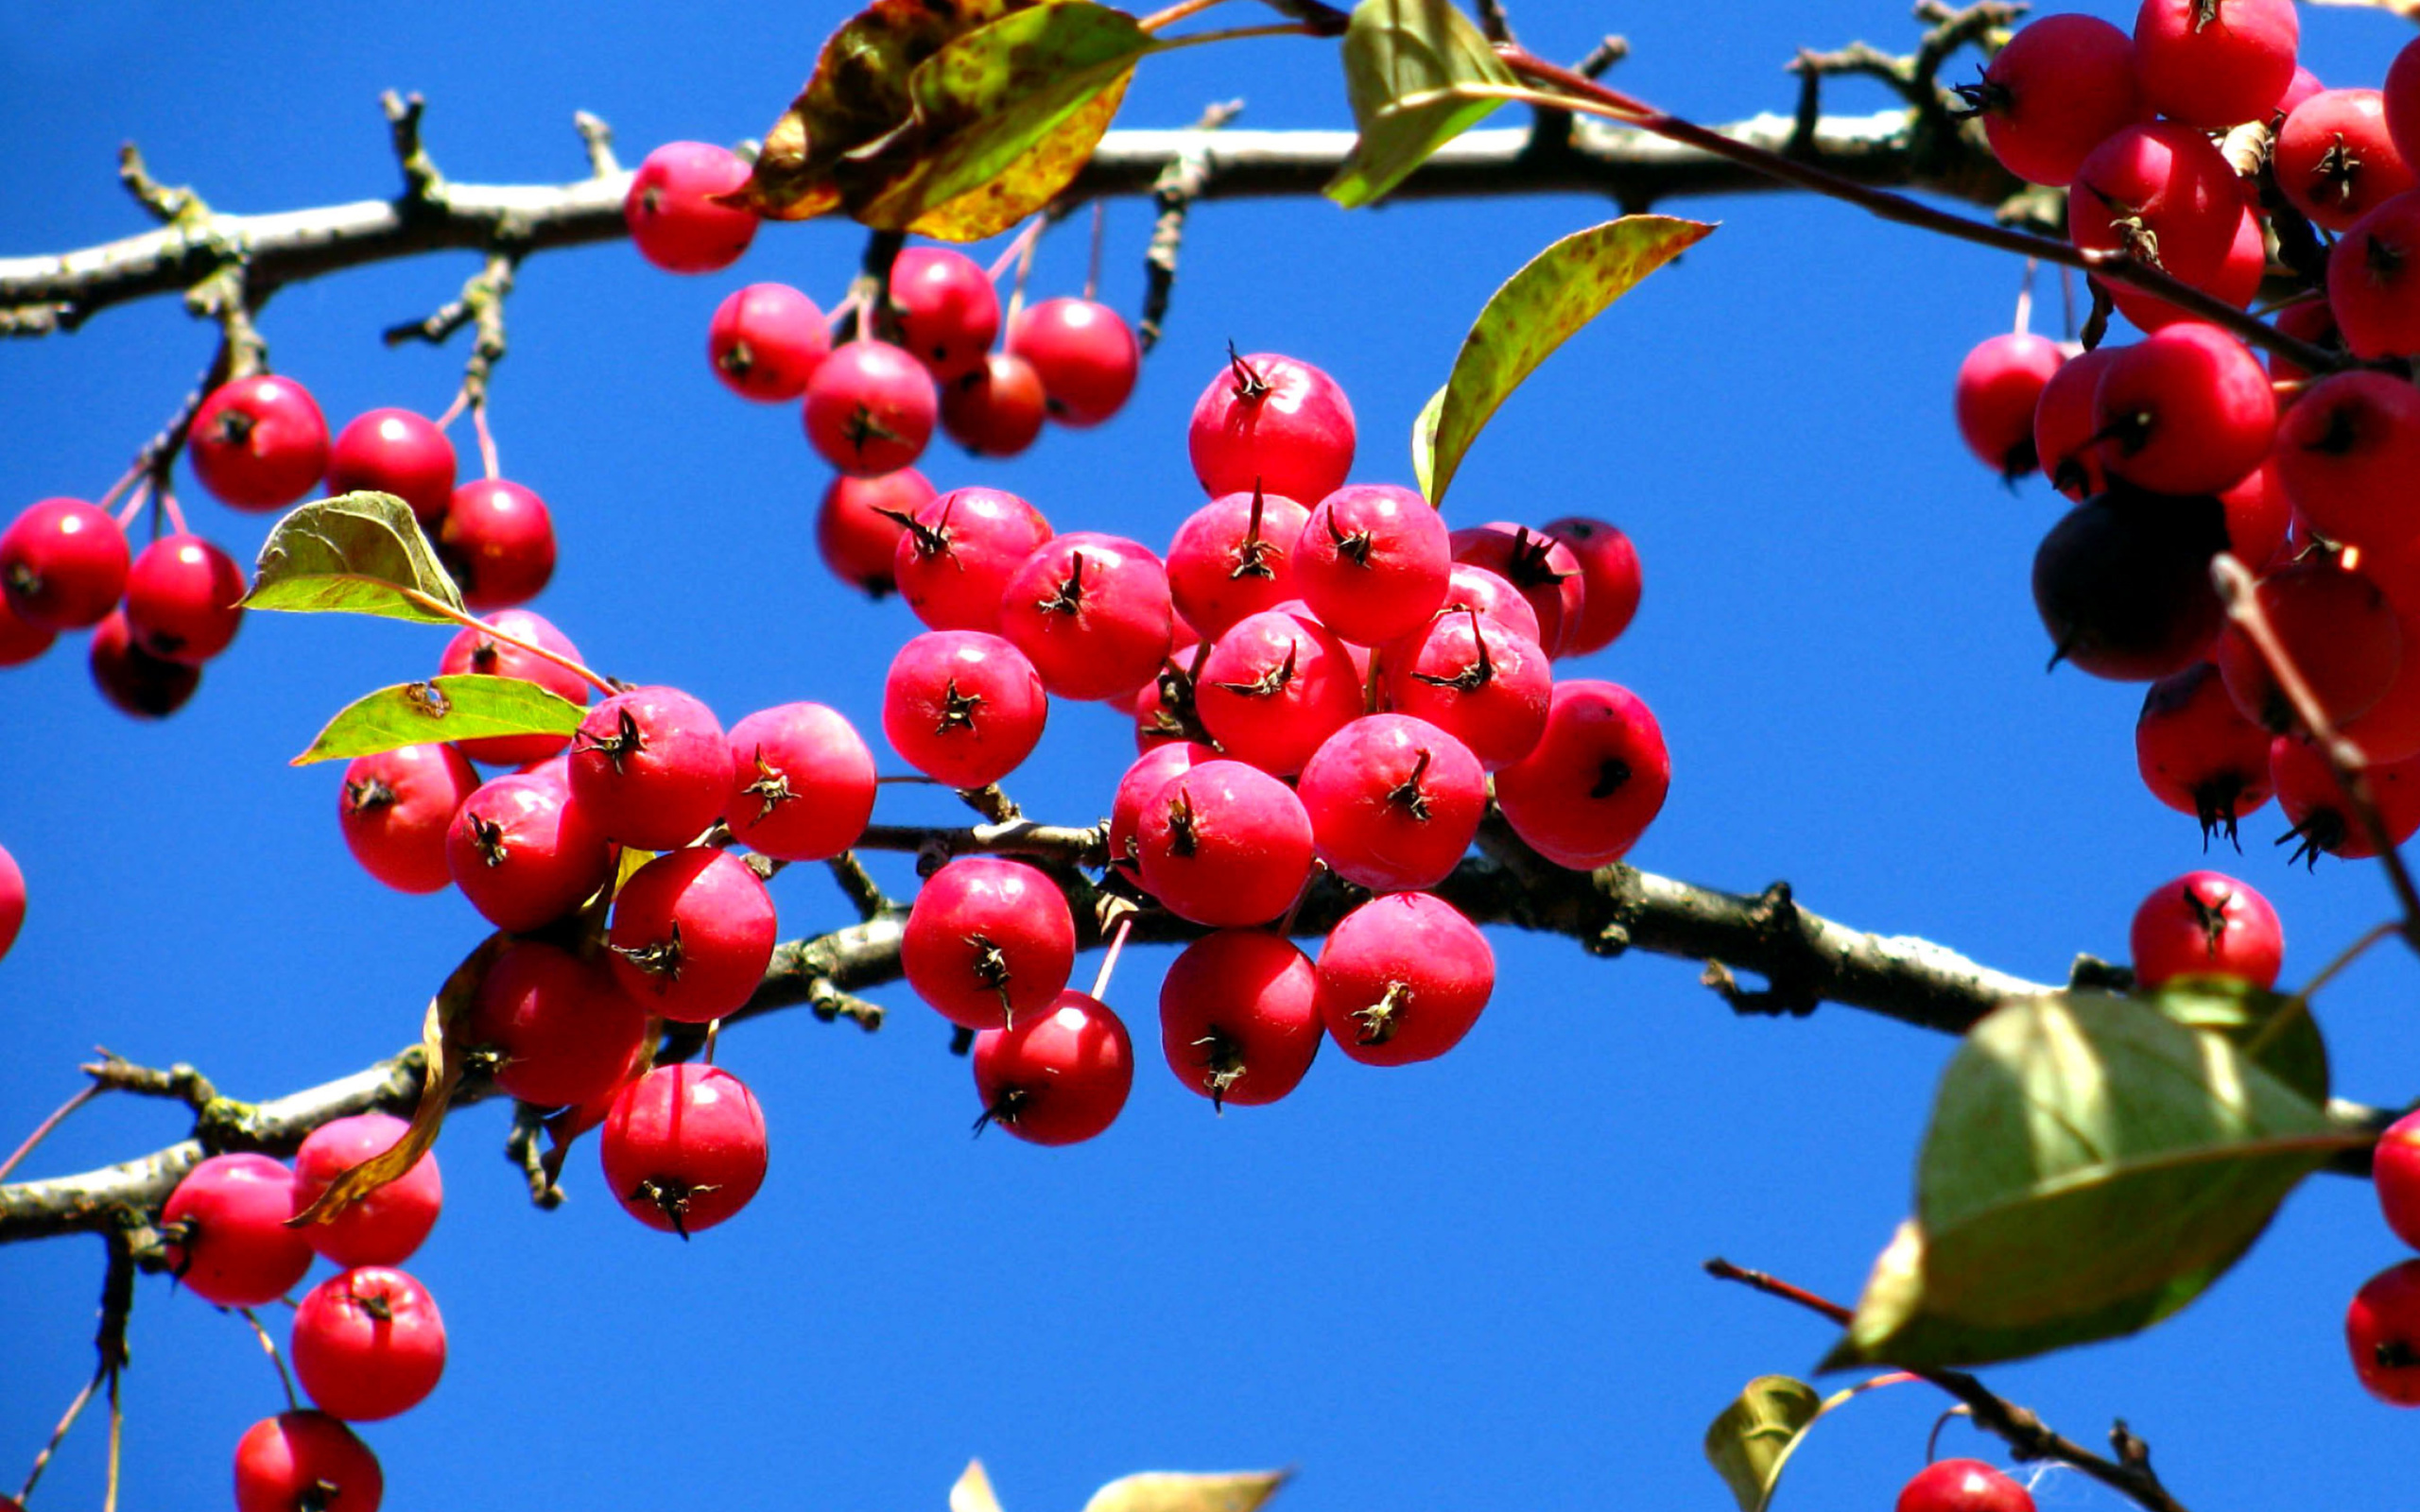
(1239, 1020)
(957, 555)
(1092, 612)
(367, 1344)
(1999, 387)
(259, 442)
(2346, 454)
(2062, 84)
(1490, 593)
(2372, 288)
(2391, 731)
(523, 851)
(2338, 630)
(947, 311)
(1543, 569)
(2334, 158)
(1275, 686)
(1085, 354)
(2213, 65)
(553, 1028)
(962, 707)
(1403, 978)
(997, 410)
(2395, 1168)
(2206, 923)
(1609, 570)
(2198, 753)
(1142, 782)
(2260, 519)
(684, 1147)
(305, 1459)
(1468, 673)
(2187, 410)
(135, 680)
(12, 900)
(21, 640)
(871, 409)
(765, 341)
(184, 599)
(674, 219)
(693, 932)
(858, 526)
(651, 766)
(2158, 184)
(2382, 1331)
(2402, 97)
(398, 451)
(1963, 1486)
(802, 783)
(498, 542)
(1372, 561)
(988, 940)
(2314, 805)
(2236, 280)
(2123, 583)
(1233, 557)
(228, 1240)
(1224, 844)
(387, 1225)
(1394, 802)
(1595, 779)
(1273, 422)
(473, 651)
(395, 807)
(64, 564)
(1059, 1076)
(2064, 445)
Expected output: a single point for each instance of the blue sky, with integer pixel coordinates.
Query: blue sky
(1470, 1282)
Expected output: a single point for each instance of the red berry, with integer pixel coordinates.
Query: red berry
(989, 941)
(674, 220)
(1276, 685)
(395, 808)
(12, 901)
(2306, 84)
(2206, 923)
(21, 640)
(2314, 805)
(498, 542)
(2065, 446)
(2123, 583)
(2336, 628)
(1372, 560)
(1403, 978)
(1543, 569)
(1963, 1486)
(1609, 571)
(2347, 452)
(1142, 782)
(2335, 159)
(651, 767)
(2236, 280)
(2259, 520)
(2382, 1329)
(2394, 1167)
(1394, 802)
(2391, 731)
(557, 1028)
(765, 341)
(802, 783)
(1224, 844)
(684, 1147)
(1594, 781)
(184, 599)
(997, 410)
(2372, 289)
(299, 1459)
(477, 652)
(368, 1344)
(137, 682)
(228, 1242)
(1999, 387)
(957, 556)
(1092, 613)
(384, 1228)
(2213, 64)
(2161, 185)
(1085, 354)
(962, 707)
(63, 565)
(858, 526)
(947, 311)
(397, 452)
(1492, 593)
(524, 852)
(2187, 410)
(1233, 557)
(2402, 99)
(871, 409)
(1059, 1076)
(2062, 85)
(259, 442)
(693, 932)
(2198, 753)
(1272, 423)
(1239, 1020)
(1470, 675)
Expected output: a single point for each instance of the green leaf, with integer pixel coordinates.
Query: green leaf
(1537, 310)
(1750, 1441)
(462, 705)
(2272, 1029)
(357, 554)
(1423, 443)
(2092, 1166)
(1164, 1491)
(1408, 50)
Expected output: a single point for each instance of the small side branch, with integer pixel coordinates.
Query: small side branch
(1174, 193)
(424, 186)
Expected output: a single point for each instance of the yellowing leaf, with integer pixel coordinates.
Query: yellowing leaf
(1168, 1491)
(1395, 50)
(1751, 1439)
(460, 706)
(973, 1493)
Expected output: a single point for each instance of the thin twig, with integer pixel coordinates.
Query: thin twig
(41, 1130)
(268, 1346)
(59, 1434)
(1173, 195)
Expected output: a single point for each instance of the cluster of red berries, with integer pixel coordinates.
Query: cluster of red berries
(2183, 445)
(367, 1343)
(256, 443)
(871, 406)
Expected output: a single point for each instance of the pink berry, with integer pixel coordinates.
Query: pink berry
(958, 554)
(947, 311)
(259, 442)
(1963, 1486)
(858, 526)
(385, 1227)
(1372, 561)
(2066, 445)
(1239, 1020)
(2347, 452)
(228, 1242)
(1276, 685)
(135, 680)
(498, 542)
(1543, 569)
(477, 652)
(1609, 569)
(802, 783)
(368, 1344)
(2060, 85)
(1999, 387)
(1394, 802)
(2215, 63)
(2162, 184)
(693, 932)
(2198, 753)
(651, 766)
(556, 1027)
(1085, 354)
(395, 808)
(988, 941)
(2335, 159)
(2401, 97)
(1403, 978)
(12, 901)
(1272, 423)
(397, 452)
(1092, 613)
(962, 707)
(684, 1147)
(299, 1459)
(2236, 279)
(184, 599)
(1596, 780)
(1059, 1076)
(765, 341)
(523, 851)
(2394, 1167)
(63, 565)
(1489, 686)
(997, 410)
(1225, 844)
(1142, 782)
(672, 214)
(871, 409)
(2187, 410)
(1233, 557)
(2206, 923)
(2372, 288)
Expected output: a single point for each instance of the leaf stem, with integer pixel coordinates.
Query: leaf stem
(1175, 13)
(470, 621)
